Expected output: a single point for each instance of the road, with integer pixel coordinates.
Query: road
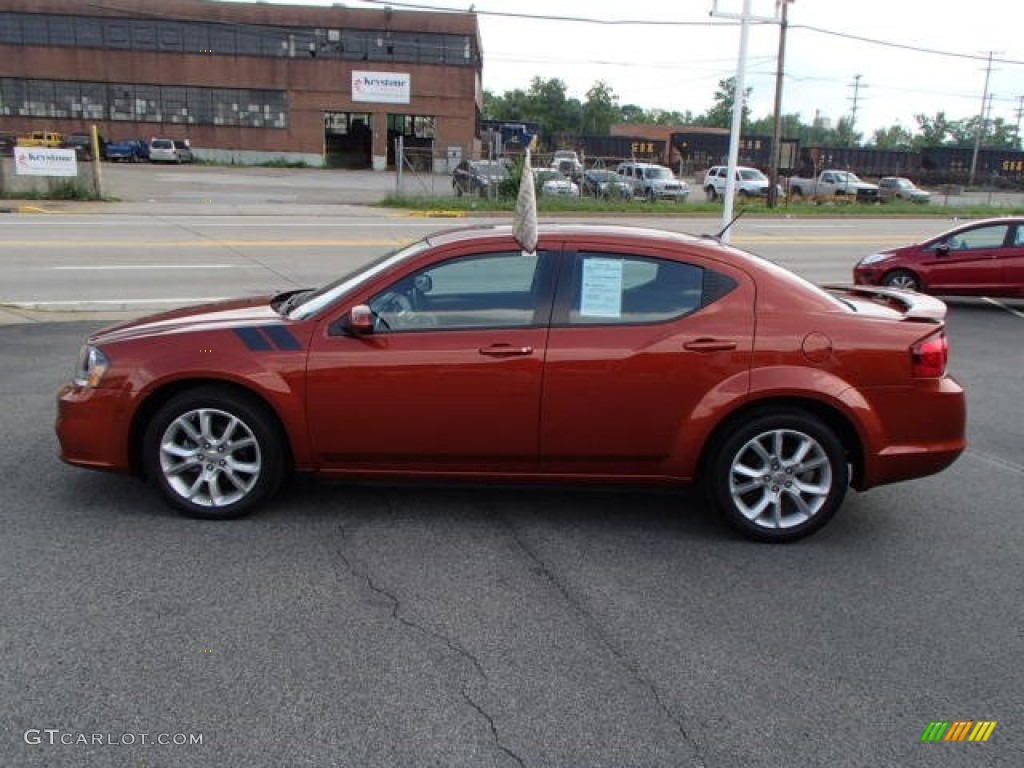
(139, 262)
(382, 626)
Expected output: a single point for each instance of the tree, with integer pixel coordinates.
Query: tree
(931, 131)
(720, 114)
(600, 110)
(893, 137)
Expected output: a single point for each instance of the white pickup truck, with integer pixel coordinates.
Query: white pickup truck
(834, 184)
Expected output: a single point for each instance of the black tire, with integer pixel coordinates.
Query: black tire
(902, 278)
(711, 194)
(239, 466)
(771, 494)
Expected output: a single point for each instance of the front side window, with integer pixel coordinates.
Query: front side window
(495, 290)
(618, 289)
(982, 237)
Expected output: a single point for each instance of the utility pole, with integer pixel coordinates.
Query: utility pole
(979, 128)
(853, 112)
(1020, 113)
(780, 70)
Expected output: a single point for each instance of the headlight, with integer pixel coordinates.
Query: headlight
(874, 258)
(92, 365)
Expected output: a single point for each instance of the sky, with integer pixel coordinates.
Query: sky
(912, 56)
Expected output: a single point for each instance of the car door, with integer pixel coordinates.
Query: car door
(450, 378)
(967, 262)
(639, 343)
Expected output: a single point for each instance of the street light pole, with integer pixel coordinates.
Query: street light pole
(737, 111)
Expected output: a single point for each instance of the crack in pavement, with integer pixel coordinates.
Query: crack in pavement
(591, 624)
(494, 729)
(396, 614)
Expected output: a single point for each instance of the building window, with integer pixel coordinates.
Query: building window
(225, 39)
(129, 102)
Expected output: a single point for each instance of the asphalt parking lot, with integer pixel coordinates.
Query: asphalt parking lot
(382, 626)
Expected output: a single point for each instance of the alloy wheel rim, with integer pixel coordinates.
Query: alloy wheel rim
(780, 479)
(902, 281)
(210, 457)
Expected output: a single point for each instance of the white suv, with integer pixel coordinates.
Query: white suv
(750, 182)
(654, 182)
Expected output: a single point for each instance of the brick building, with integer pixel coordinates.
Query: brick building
(246, 82)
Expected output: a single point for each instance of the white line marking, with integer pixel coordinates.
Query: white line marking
(109, 302)
(149, 266)
(1000, 304)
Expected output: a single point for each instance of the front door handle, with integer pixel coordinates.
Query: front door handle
(710, 345)
(505, 350)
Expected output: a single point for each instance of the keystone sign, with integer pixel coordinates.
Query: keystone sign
(382, 87)
(44, 161)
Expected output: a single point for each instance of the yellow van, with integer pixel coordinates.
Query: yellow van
(41, 139)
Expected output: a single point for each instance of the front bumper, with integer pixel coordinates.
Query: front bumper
(92, 428)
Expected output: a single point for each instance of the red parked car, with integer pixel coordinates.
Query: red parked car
(980, 258)
(610, 355)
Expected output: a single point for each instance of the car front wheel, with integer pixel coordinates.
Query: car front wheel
(779, 476)
(213, 453)
(902, 278)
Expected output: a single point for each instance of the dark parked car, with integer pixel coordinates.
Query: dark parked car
(609, 355)
(82, 144)
(607, 185)
(479, 177)
(982, 258)
(8, 141)
(127, 151)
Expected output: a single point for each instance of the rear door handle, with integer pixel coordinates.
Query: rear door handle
(710, 345)
(505, 350)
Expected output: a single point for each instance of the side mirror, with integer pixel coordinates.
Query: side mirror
(942, 249)
(360, 320)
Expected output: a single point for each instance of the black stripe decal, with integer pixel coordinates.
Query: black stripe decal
(281, 337)
(253, 339)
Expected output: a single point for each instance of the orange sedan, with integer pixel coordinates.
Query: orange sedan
(610, 355)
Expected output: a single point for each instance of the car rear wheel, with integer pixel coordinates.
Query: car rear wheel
(779, 476)
(213, 453)
(902, 278)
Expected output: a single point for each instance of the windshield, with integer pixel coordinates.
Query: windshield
(162, 144)
(657, 173)
(492, 169)
(752, 174)
(314, 301)
(846, 177)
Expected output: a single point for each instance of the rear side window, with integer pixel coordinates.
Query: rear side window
(617, 289)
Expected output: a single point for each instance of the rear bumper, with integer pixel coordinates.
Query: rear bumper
(921, 431)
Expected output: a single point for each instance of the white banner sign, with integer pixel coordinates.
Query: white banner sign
(44, 161)
(382, 87)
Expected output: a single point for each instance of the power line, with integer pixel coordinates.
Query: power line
(660, 23)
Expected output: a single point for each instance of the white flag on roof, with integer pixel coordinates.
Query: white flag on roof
(525, 227)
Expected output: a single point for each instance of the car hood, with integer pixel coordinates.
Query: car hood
(234, 313)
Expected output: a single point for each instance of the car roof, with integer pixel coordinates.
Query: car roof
(597, 232)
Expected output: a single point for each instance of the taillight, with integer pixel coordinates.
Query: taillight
(929, 357)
